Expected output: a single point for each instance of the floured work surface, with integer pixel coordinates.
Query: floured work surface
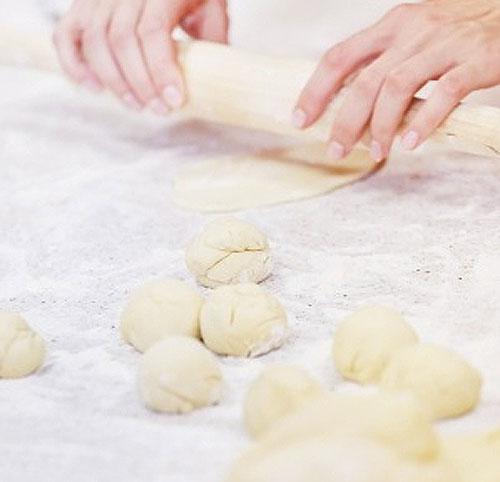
(86, 215)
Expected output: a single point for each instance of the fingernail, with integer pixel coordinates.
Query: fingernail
(335, 151)
(131, 101)
(173, 96)
(158, 107)
(376, 151)
(92, 85)
(410, 140)
(298, 118)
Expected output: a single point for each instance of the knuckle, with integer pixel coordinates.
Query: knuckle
(312, 98)
(343, 132)
(364, 85)
(401, 10)
(453, 87)
(334, 57)
(398, 82)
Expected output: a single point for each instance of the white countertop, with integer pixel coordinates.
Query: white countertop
(86, 215)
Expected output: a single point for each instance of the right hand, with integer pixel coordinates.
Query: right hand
(126, 46)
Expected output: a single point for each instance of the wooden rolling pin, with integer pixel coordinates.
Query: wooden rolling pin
(235, 87)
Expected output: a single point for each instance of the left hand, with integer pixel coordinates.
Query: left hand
(456, 42)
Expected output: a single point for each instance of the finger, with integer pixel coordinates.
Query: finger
(210, 22)
(398, 90)
(67, 40)
(155, 34)
(357, 106)
(335, 66)
(128, 54)
(451, 88)
(97, 53)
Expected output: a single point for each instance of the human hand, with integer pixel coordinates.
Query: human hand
(127, 47)
(456, 42)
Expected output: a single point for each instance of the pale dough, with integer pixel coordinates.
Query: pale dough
(232, 183)
(332, 459)
(477, 456)
(393, 420)
(365, 341)
(22, 351)
(278, 391)
(229, 251)
(242, 320)
(178, 374)
(158, 309)
(444, 383)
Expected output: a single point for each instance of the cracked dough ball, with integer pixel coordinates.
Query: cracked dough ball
(366, 340)
(276, 392)
(159, 309)
(178, 374)
(229, 251)
(444, 383)
(22, 351)
(332, 459)
(242, 320)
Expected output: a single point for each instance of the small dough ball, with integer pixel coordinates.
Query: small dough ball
(242, 320)
(22, 351)
(334, 459)
(366, 340)
(395, 420)
(229, 251)
(178, 374)
(276, 392)
(444, 383)
(159, 309)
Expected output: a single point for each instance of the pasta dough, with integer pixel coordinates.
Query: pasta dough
(444, 383)
(242, 320)
(229, 251)
(250, 181)
(365, 341)
(178, 374)
(22, 351)
(277, 391)
(158, 309)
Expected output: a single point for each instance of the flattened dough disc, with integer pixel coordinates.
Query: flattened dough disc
(254, 180)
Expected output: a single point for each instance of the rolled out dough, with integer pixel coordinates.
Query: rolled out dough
(271, 177)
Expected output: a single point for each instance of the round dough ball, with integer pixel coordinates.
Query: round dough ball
(395, 420)
(159, 309)
(366, 340)
(334, 459)
(229, 251)
(242, 320)
(178, 374)
(444, 383)
(276, 392)
(22, 351)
